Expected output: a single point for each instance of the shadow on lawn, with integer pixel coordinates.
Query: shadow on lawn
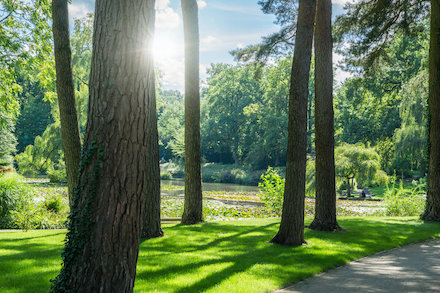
(238, 248)
(27, 265)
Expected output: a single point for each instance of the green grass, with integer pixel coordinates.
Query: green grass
(216, 257)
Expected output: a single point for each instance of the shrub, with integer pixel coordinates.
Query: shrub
(58, 174)
(272, 190)
(14, 195)
(405, 202)
(55, 203)
(380, 179)
(166, 176)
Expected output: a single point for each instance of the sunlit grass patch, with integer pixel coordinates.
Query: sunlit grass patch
(232, 256)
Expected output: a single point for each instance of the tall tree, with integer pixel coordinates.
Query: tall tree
(105, 223)
(432, 212)
(192, 213)
(151, 227)
(66, 93)
(325, 206)
(291, 230)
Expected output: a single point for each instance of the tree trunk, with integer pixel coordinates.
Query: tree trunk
(325, 204)
(66, 93)
(105, 223)
(192, 213)
(432, 211)
(291, 230)
(348, 187)
(151, 227)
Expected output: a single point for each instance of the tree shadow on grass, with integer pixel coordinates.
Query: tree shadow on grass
(238, 250)
(28, 266)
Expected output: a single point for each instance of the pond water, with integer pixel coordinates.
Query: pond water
(214, 186)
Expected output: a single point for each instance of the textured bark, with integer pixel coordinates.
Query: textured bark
(325, 204)
(291, 230)
(66, 93)
(105, 223)
(432, 212)
(151, 227)
(192, 213)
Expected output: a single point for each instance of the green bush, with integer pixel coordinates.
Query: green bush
(380, 179)
(403, 202)
(14, 196)
(55, 203)
(57, 175)
(272, 190)
(166, 176)
(19, 208)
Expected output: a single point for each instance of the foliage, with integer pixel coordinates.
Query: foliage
(368, 27)
(225, 124)
(25, 207)
(170, 124)
(356, 161)
(228, 256)
(8, 143)
(46, 151)
(57, 175)
(24, 44)
(166, 176)
(402, 202)
(272, 190)
(411, 138)
(15, 196)
(35, 112)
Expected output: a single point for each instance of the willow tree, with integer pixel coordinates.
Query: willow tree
(66, 93)
(102, 243)
(368, 26)
(193, 212)
(291, 230)
(325, 206)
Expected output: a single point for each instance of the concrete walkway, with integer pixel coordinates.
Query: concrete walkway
(413, 268)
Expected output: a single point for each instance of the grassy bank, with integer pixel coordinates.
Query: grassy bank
(216, 257)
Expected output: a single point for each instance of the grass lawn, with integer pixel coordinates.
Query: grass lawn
(229, 256)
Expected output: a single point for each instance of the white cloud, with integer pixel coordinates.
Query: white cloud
(166, 17)
(173, 73)
(208, 39)
(202, 4)
(339, 74)
(78, 11)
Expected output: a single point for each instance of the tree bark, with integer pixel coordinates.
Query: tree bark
(291, 230)
(105, 223)
(193, 212)
(151, 226)
(432, 211)
(66, 93)
(325, 204)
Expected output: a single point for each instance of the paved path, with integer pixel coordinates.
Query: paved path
(413, 268)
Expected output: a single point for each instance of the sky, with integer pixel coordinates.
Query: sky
(224, 25)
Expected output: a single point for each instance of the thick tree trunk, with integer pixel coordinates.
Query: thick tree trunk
(66, 93)
(432, 211)
(105, 223)
(192, 213)
(348, 187)
(325, 205)
(291, 230)
(151, 227)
